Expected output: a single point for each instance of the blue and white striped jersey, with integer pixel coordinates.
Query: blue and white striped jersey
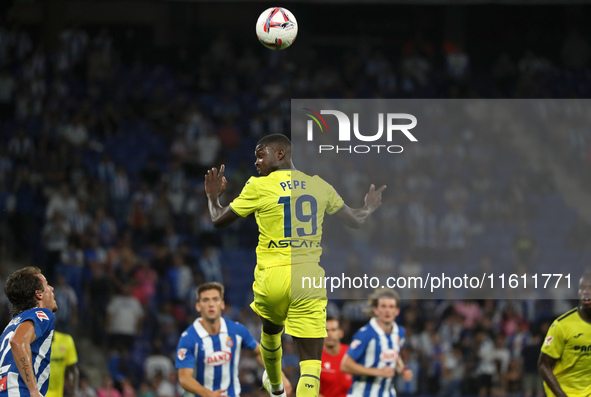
(214, 358)
(11, 382)
(373, 348)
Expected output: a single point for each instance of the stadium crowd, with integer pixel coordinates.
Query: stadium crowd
(102, 157)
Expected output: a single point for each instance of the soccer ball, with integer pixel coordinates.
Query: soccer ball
(276, 28)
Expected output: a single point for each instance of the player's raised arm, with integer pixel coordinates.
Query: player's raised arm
(355, 217)
(215, 186)
(545, 366)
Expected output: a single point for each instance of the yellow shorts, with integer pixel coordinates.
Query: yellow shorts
(287, 295)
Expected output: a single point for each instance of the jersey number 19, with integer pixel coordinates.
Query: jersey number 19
(311, 218)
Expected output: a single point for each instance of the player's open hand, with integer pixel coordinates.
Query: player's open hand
(215, 182)
(373, 199)
(407, 375)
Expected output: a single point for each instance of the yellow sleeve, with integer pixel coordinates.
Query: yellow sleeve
(71, 354)
(248, 200)
(554, 343)
(335, 202)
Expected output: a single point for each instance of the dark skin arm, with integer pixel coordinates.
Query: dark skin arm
(215, 186)
(355, 217)
(20, 345)
(545, 366)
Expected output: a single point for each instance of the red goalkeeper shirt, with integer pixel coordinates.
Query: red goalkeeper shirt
(334, 383)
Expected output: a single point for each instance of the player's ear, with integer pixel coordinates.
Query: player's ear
(280, 153)
(197, 307)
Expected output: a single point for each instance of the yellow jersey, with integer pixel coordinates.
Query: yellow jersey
(289, 208)
(569, 342)
(63, 354)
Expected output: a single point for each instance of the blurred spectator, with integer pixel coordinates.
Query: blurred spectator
(106, 169)
(63, 202)
(85, 389)
(160, 216)
(107, 388)
(210, 265)
(532, 381)
(579, 236)
(76, 132)
(75, 41)
(455, 231)
(67, 301)
(175, 183)
(55, 235)
(120, 190)
(207, 149)
(422, 226)
(228, 134)
(501, 355)
(157, 363)
(125, 316)
(486, 368)
(457, 63)
(452, 372)
(525, 247)
(97, 292)
(470, 311)
(162, 387)
(144, 284)
(21, 148)
(80, 220)
(105, 227)
(179, 278)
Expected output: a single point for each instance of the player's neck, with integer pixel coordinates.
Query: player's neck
(585, 314)
(333, 350)
(286, 165)
(387, 327)
(212, 327)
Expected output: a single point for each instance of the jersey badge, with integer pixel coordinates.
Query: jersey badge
(229, 342)
(548, 341)
(181, 354)
(42, 316)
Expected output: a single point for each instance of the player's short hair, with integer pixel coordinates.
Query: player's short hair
(207, 286)
(279, 141)
(21, 287)
(586, 275)
(383, 294)
(333, 318)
